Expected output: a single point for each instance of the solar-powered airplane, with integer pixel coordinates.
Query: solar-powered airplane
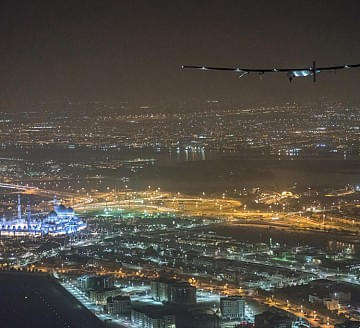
(290, 72)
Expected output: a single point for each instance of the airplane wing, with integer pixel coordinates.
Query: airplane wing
(291, 72)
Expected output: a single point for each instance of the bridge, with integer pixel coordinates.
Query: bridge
(17, 187)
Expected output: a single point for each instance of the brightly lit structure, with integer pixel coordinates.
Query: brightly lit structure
(60, 221)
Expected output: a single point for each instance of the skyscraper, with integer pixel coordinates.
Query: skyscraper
(232, 307)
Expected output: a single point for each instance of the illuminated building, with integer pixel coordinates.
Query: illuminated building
(159, 290)
(101, 296)
(153, 317)
(96, 282)
(182, 293)
(60, 221)
(232, 308)
(118, 305)
(174, 292)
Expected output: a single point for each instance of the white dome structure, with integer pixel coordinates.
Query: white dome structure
(60, 221)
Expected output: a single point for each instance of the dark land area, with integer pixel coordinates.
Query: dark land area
(36, 300)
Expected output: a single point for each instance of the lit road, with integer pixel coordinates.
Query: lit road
(230, 210)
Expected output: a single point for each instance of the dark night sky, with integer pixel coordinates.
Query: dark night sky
(132, 50)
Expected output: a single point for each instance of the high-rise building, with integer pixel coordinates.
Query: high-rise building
(232, 308)
(101, 296)
(95, 282)
(118, 305)
(270, 319)
(174, 292)
(159, 290)
(154, 318)
(182, 293)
